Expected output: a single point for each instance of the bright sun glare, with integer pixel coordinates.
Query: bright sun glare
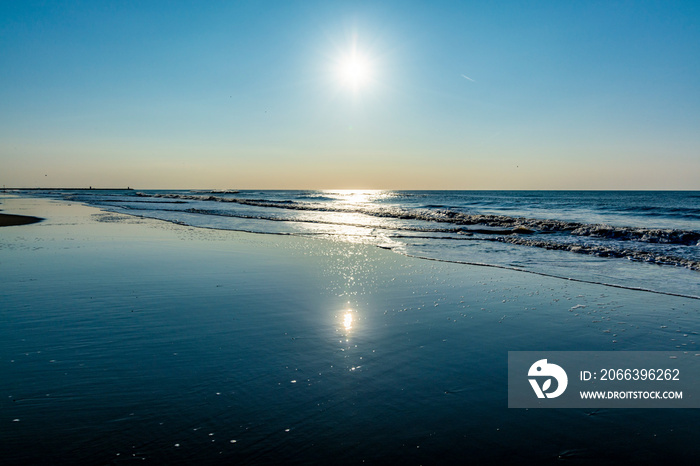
(354, 70)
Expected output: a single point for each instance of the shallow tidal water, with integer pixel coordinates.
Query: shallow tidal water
(126, 339)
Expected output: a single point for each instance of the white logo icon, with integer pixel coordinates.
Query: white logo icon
(543, 369)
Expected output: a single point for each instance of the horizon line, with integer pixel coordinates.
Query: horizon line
(129, 188)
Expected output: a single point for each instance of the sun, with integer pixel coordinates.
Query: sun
(353, 70)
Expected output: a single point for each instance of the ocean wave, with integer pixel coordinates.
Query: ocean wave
(139, 201)
(605, 251)
(456, 230)
(516, 235)
(515, 224)
(615, 234)
(216, 191)
(315, 197)
(661, 211)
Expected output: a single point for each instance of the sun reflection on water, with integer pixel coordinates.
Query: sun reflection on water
(347, 319)
(357, 196)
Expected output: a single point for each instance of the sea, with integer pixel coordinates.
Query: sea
(648, 240)
(126, 341)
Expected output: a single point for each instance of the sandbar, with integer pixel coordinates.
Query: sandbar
(7, 220)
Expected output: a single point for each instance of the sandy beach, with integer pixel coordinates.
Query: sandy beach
(125, 338)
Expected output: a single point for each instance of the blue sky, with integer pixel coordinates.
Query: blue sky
(461, 95)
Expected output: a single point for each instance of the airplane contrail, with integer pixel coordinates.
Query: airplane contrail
(467, 77)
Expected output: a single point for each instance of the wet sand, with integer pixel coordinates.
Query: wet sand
(127, 339)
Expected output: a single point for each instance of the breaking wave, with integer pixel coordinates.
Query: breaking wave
(518, 225)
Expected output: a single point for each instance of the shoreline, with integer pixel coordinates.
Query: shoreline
(132, 337)
(677, 265)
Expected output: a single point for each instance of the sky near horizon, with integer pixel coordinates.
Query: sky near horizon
(357, 94)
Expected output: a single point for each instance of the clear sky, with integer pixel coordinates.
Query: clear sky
(318, 94)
